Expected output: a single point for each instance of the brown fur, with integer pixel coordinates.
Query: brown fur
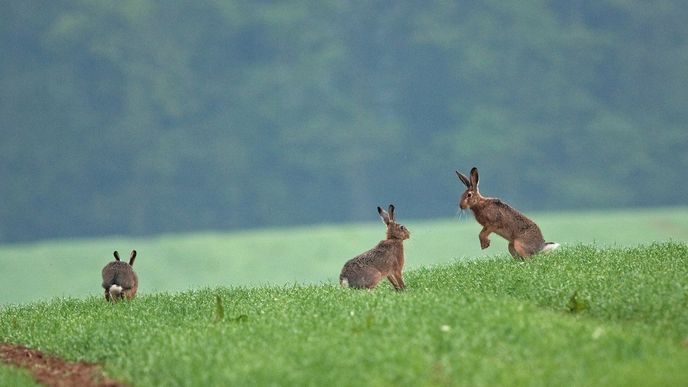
(121, 274)
(384, 260)
(524, 236)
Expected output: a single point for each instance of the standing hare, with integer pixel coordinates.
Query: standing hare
(524, 236)
(119, 279)
(384, 260)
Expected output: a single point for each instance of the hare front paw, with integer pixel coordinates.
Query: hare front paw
(484, 243)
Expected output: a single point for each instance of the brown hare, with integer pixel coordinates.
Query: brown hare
(384, 260)
(119, 279)
(524, 236)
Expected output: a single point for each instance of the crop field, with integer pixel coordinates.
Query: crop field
(578, 316)
(608, 308)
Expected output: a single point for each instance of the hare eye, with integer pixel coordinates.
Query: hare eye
(403, 228)
(468, 195)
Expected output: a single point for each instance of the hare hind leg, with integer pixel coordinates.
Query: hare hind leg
(523, 249)
(513, 251)
(367, 277)
(129, 294)
(518, 254)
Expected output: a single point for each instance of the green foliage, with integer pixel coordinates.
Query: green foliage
(576, 304)
(307, 254)
(219, 309)
(139, 117)
(481, 322)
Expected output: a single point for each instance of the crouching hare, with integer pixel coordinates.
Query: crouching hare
(119, 279)
(384, 260)
(524, 236)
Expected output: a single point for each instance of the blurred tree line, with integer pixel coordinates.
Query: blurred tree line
(138, 117)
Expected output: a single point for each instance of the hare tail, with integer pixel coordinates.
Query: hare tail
(344, 282)
(115, 290)
(549, 246)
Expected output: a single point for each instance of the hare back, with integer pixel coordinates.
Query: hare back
(385, 257)
(119, 273)
(508, 222)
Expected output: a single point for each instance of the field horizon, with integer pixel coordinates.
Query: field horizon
(304, 254)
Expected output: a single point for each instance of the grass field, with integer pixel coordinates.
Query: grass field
(43, 270)
(10, 376)
(580, 316)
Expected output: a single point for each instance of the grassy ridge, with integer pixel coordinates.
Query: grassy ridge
(581, 315)
(305, 255)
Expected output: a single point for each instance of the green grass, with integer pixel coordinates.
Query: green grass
(71, 268)
(582, 315)
(10, 376)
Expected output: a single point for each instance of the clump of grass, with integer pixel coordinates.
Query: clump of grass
(576, 304)
(645, 285)
(484, 322)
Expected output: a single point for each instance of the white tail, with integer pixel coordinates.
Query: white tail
(344, 282)
(115, 291)
(549, 246)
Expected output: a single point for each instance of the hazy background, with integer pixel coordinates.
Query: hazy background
(142, 117)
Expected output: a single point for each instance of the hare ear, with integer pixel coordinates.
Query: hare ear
(392, 217)
(474, 177)
(384, 215)
(463, 179)
(133, 256)
(116, 254)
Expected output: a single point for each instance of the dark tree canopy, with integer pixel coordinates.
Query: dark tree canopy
(140, 117)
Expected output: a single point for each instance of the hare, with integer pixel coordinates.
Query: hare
(524, 236)
(119, 279)
(384, 260)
